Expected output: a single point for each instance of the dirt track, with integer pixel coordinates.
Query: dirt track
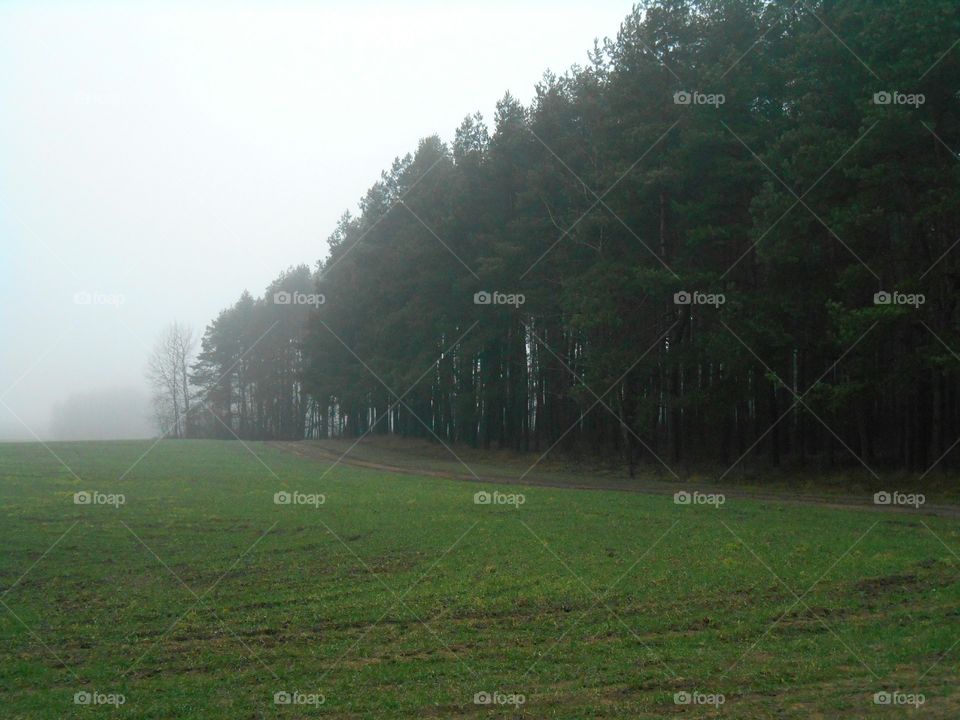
(312, 451)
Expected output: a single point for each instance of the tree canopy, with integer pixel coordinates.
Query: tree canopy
(731, 235)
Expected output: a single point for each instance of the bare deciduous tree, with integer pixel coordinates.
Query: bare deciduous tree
(167, 373)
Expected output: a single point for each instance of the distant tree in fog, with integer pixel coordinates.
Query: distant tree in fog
(113, 413)
(168, 376)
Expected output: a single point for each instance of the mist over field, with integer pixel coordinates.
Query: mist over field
(167, 156)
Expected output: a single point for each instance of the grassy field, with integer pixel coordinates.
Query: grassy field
(400, 597)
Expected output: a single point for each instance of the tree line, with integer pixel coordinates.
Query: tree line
(729, 237)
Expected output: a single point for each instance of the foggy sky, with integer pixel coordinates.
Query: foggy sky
(163, 157)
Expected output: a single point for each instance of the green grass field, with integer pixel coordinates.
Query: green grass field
(399, 597)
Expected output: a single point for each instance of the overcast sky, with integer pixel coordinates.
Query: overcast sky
(176, 154)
